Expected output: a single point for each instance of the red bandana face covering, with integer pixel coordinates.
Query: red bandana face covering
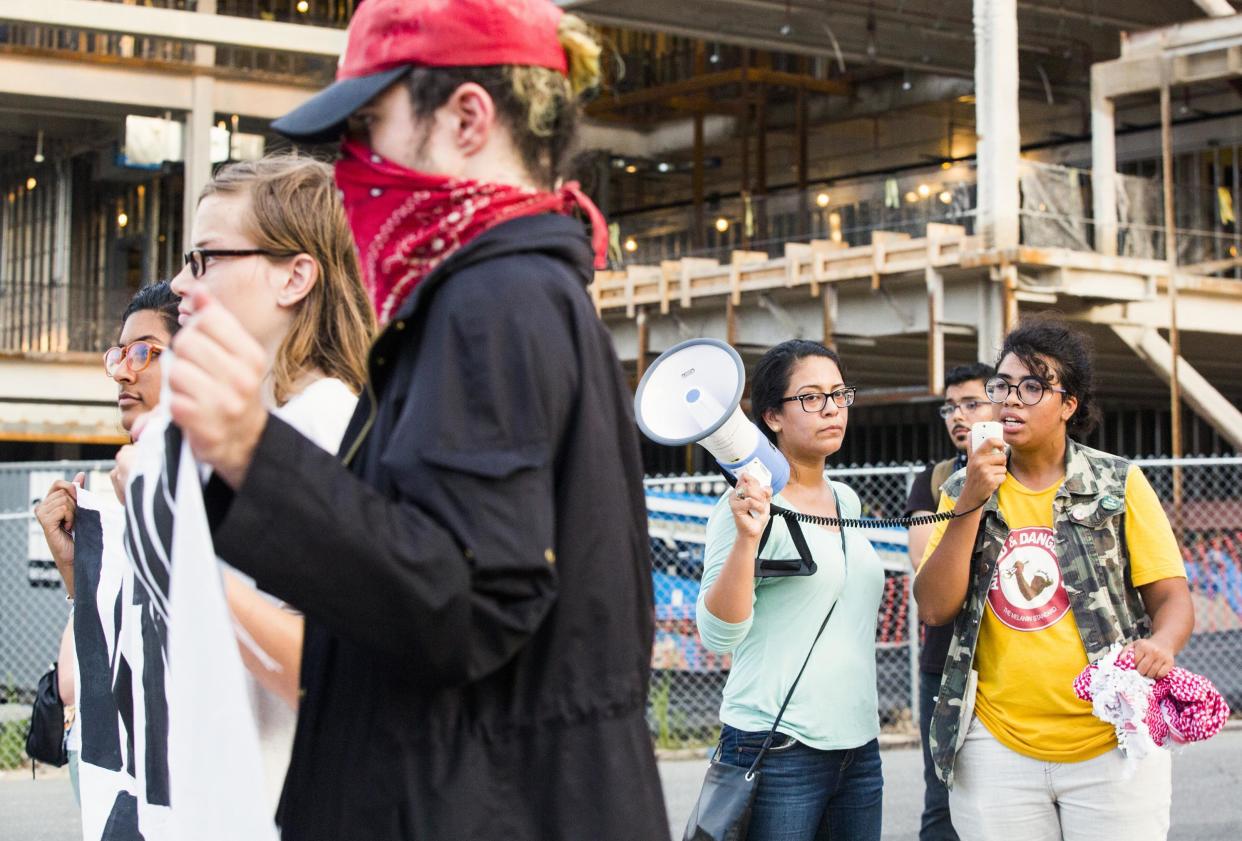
(407, 222)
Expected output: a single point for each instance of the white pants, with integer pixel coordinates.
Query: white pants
(1000, 795)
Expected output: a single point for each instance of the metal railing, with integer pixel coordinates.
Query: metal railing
(1055, 212)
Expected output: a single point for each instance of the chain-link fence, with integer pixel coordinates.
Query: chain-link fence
(687, 679)
(33, 610)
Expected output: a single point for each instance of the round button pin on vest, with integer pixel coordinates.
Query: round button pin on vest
(984, 430)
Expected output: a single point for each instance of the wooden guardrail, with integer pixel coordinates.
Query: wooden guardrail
(807, 265)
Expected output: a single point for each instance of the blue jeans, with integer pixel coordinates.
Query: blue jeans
(937, 825)
(807, 794)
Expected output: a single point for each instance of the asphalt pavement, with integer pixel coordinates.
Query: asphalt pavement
(1207, 779)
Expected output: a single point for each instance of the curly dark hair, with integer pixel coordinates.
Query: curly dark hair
(1047, 345)
(159, 298)
(771, 377)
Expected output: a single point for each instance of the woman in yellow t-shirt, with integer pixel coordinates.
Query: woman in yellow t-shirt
(1078, 556)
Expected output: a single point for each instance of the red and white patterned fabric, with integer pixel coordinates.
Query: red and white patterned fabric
(406, 223)
(1178, 708)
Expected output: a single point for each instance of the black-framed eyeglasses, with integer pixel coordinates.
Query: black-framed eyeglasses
(815, 401)
(139, 355)
(968, 407)
(1030, 389)
(196, 258)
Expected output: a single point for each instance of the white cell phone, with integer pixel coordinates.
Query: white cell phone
(984, 430)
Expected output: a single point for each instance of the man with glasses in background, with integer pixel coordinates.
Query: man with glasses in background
(965, 403)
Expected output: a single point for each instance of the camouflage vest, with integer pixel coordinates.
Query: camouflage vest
(1089, 523)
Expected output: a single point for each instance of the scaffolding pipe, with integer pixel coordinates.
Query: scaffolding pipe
(1170, 253)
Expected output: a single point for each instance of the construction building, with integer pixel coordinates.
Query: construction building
(902, 179)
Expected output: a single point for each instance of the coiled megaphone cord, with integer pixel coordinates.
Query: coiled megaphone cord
(855, 523)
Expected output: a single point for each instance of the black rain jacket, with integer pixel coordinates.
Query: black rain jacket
(477, 579)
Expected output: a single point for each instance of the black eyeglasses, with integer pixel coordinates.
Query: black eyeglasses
(968, 407)
(196, 258)
(1030, 390)
(815, 401)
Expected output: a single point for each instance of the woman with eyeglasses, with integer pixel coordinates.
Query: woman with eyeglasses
(272, 246)
(147, 326)
(821, 778)
(1062, 554)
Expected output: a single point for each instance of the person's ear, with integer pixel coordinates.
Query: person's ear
(1068, 407)
(472, 113)
(302, 277)
(772, 418)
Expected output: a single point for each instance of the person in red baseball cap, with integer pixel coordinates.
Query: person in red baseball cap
(476, 574)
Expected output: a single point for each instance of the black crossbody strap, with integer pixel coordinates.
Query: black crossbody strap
(805, 565)
(767, 743)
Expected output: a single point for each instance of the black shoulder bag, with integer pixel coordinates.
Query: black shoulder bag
(46, 740)
(722, 812)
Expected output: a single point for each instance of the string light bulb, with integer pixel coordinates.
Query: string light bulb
(822, 200)
(722, 224)
(38, 155)
(631, 244)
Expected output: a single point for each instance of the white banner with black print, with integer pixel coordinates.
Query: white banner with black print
(170, 748)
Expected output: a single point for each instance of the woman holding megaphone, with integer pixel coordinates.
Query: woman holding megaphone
(802, 633)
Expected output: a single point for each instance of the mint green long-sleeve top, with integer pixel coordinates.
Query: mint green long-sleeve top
(834, 707)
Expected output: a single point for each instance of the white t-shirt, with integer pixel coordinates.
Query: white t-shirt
(321, 412)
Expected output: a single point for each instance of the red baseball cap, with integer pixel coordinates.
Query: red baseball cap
(388, 37)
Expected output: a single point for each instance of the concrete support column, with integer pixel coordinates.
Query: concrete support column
(1103, 170)
(996, 120)
(831, 315)
(198, 124)
(991, 333)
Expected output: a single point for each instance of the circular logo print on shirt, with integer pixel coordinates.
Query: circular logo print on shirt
(1027, 593)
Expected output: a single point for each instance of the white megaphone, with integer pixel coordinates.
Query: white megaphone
(692, 393)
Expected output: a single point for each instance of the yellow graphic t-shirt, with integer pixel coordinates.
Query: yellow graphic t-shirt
(1029, 650)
